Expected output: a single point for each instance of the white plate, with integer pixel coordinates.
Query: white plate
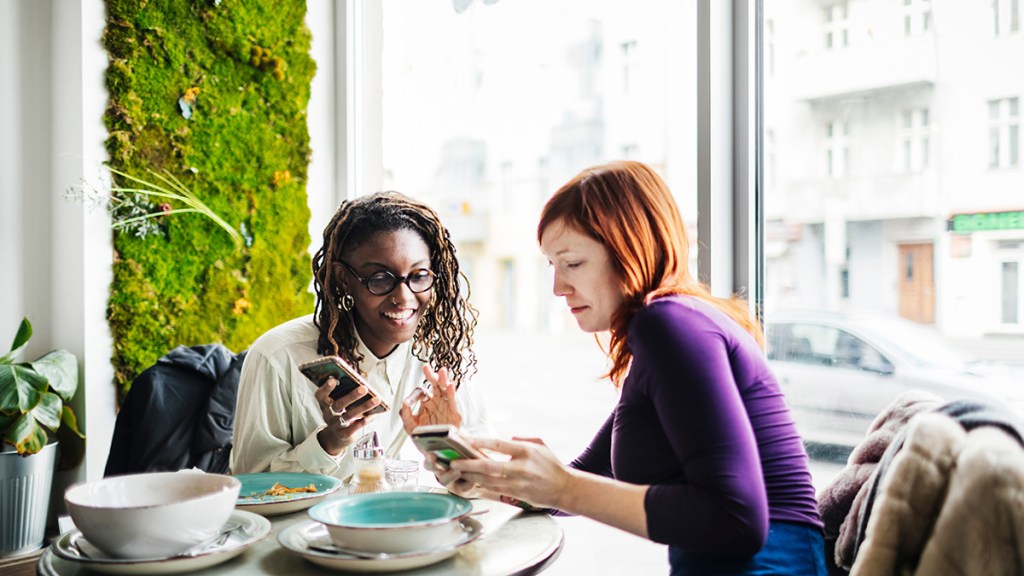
(299, 537)
(253, 529)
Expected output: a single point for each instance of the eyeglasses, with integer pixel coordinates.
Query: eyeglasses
(383, 282)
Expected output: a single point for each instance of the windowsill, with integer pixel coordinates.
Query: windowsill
(1005, 333)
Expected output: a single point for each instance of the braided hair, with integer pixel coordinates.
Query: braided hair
(444, 336)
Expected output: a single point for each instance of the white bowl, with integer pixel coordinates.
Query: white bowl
(392, 522)
(152, 515)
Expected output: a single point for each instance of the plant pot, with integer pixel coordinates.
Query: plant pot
(25, 483)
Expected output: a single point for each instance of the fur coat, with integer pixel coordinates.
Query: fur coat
(946, 498)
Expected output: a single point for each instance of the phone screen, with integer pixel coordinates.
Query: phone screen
(447, 454)
(443, 442)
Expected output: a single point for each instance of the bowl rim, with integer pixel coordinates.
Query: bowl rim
(463, 509)
(229, 484)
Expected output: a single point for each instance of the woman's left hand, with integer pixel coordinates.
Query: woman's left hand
(452, 481)
(533, 474)
(438, 407)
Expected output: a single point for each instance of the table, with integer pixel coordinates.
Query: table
(513, 544)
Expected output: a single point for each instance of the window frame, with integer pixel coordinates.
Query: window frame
(1004, 150)
(730, 219)
(1006, 17)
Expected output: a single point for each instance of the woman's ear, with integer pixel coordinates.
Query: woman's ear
(340, 276)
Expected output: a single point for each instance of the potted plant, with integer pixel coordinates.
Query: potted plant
(34, 408)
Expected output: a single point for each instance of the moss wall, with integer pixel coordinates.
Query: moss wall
(241, 71)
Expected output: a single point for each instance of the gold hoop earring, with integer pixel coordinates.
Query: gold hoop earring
(347, 302)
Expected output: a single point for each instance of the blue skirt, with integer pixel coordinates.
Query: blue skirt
(792, 549)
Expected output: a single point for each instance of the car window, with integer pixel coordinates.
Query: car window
(803, 343)
(852, 352)
(823, 346)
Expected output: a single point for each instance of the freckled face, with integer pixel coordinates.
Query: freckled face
(385, 321)
(584, 276)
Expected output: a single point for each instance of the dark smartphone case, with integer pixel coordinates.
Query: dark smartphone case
(319, 370)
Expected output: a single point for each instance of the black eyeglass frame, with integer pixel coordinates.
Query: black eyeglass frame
(395, 280)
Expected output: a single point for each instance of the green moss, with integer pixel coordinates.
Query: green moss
(192, 284)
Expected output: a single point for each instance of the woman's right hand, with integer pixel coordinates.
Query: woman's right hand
(532, 473)
(344, 421)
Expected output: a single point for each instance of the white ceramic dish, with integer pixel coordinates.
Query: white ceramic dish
(253, 528)
(306, 538)
(251, 498)
(152, 515)
(392, 522)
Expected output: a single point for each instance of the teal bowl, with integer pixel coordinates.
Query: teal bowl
(392, 522)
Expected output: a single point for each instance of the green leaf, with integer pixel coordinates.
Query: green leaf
(20, 339)
(26, 435)
(6, 420)
(21, 387)
(60, 368)
(48, 411)
(67, 417)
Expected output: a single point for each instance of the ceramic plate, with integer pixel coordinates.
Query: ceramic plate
(252, 498)
(253, 528)
(305, 539)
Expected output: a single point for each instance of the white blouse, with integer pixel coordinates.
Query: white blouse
(277, 418)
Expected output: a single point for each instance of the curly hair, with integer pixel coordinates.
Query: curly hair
(629, 209)
(444, 336)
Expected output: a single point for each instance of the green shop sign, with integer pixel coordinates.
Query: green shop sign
(987, 221)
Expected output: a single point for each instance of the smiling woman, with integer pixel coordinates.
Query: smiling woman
(390, 302)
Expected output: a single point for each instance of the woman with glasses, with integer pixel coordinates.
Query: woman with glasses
(389, 302)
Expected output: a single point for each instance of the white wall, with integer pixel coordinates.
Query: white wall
(55, 256)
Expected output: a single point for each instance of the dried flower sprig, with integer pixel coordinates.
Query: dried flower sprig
(132, 209)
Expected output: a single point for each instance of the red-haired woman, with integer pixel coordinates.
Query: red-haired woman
(701, 452)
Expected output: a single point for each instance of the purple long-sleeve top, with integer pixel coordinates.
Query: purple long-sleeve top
(702, 421)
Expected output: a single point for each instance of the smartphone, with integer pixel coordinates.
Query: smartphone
(348, 380)
(444, 442)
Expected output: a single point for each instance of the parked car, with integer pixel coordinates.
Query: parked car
(839, 371)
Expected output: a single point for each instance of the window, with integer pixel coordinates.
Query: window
(485, 126)
(628, 51)
(914, 140)
(917, 17)
(1005, 17)
(836, 27)
(1004, 133)
(1011, 293)
(835, 149)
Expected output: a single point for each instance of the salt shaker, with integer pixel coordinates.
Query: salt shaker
(369, 457)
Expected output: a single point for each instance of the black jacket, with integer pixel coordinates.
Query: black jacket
(178, 413)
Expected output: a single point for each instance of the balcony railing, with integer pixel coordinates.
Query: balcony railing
(881, 197)
(861, 70)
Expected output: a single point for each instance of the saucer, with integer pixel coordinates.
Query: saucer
(252, 499)
(302, 538)
(253, 528)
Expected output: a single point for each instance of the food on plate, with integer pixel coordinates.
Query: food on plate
(279, 489)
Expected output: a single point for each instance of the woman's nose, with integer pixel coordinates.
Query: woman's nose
(560, 288)
(402, 294)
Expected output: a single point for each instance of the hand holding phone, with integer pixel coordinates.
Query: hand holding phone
(319, 370)
(444, 443)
